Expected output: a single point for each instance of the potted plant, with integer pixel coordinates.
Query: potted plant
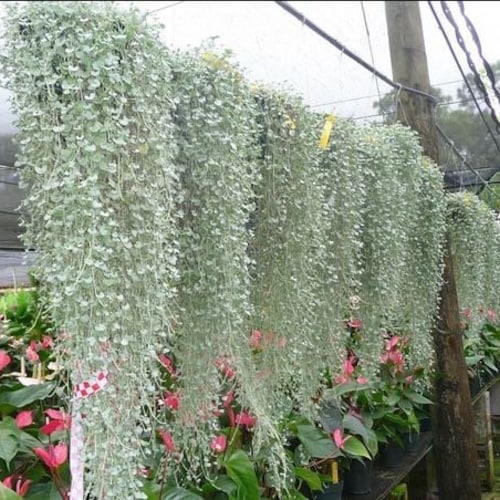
(330, 444)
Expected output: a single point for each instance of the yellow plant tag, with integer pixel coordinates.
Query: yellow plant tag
(327, 131)
(335, 472)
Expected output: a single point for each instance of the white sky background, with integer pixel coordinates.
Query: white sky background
(273, 46)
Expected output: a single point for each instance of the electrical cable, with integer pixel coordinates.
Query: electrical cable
(464, 76)
(477, 78)
(475, 37)
(323, 34)
(450, 143)
(370, 47)
(304, 20)
(462, 72)
(154, 11)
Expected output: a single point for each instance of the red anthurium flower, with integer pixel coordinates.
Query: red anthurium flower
(256, 340)
(348, 367)
(167, 363)
(338, 439)
(31, 352)
(223, 365)
(228, 399)
(168, 440)
(24, 418)
(491, 314)
(245, 419)
(16, 483)
(354, 323)
(46, 342)
(218, 444)
(59, 421)
(172, 400)
(392, 343)
(5, 359)
(467, 313)
(53, 456)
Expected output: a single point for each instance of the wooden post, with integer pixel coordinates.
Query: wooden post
(454, 443)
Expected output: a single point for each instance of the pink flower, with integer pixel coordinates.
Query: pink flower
(53, 456)
(218, 444)
(172, 400)
(338, 439)
(341, 379)
(24, 418)
(31, 352)
(168, 364)
(392, 343)
(46, 342)
(245, 419)
(5, 359)
(347, 371)
(362, 380)
(256, 340)
(228, 399)
(282, 342)
(348, 367)
(355, 323)
(16, 483)
(467, 313)
(491, 314)
(409, 379)
(168, 440)
(59, 421)
(223, 365)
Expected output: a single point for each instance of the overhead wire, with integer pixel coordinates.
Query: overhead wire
(477, 78)
(464, 161)
(475, 37)
(164, 7)
(303, 19)
(340, 46)
(370, 47)
(449, 16)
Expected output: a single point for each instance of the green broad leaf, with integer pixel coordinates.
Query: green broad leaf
(152, 490)
(316, 443)
(294, 495)
(355, 448)
(489, 363)
(46, 491)
(8, 494)
(240, 469)
(406, 405)
(178, 493)
(9, 445)
(353, 425)
(396, 419)
(311, 478)
(341, 389)
(27, 395)
(393, 399)
(27, 442)
(330, 415)
(226, 484)
(419, 399)
(473, 360)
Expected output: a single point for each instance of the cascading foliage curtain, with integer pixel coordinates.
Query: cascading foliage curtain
(474, 238)
(177, 209)
(93, 95)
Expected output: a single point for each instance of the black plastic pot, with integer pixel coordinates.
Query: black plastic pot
(330, 492)
(358, 478)
(391, 455)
